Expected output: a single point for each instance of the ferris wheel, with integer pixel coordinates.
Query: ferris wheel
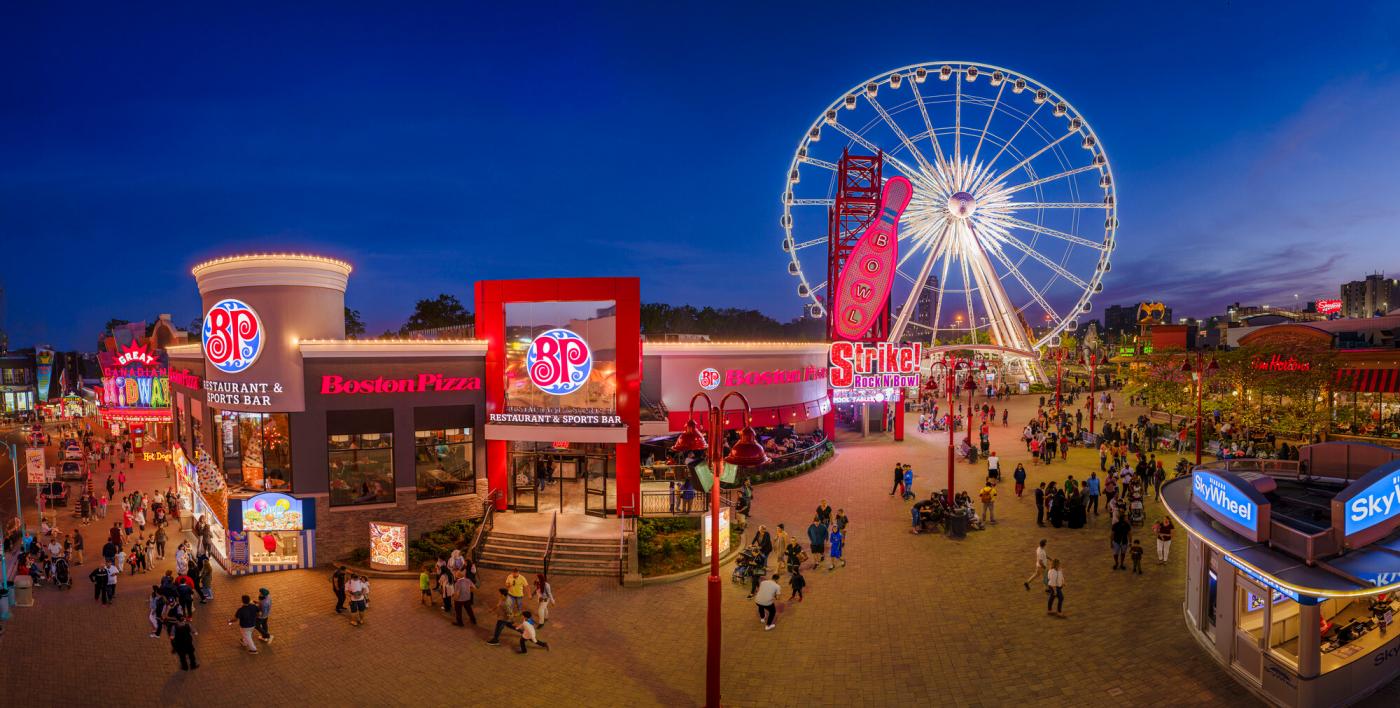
(1013, 214)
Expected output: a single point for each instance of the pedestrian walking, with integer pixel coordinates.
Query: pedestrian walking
(338, 579)
(161, 539)
(98, 576)
(988, 495)
(121, 481)
(182, 643)
(77, 547)
(425, 586)
(264, 612)
(1092, 484)
(1055, 581)
(1042, 564)
(764, 541)
(898, 479)
(824, 512)
(544, 596)
(446, 586)
(816, 536)
(765, 599)
(1163, 531)
(504, 615)
(528, 633)
(113, 573)
(463, 592)
(1019, 477)
(838, 547)
(797, 582)
(1136, 553)
(1040, 505)
(516, 585)
(247, 618)
(357, 589)
(1119, 533)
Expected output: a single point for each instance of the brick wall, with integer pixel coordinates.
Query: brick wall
(341, 531)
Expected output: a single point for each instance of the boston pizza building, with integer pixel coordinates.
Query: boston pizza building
(299, 446)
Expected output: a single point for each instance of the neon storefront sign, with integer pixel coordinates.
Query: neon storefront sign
(1278, 363)
(1370, 507)
(332, 384)
(709, 379)
(883, 365)
(184, 377)
(1274, 585)
(135, 354)
(233, 336)
(1327, 307)
(1232, 501)
(559, 362)
(747, 377)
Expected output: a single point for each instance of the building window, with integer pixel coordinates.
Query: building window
(361, 468)
(444, 462)
(256, 450)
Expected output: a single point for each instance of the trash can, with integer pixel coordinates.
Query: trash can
(4, 602)
(24, 591)
(957, 526)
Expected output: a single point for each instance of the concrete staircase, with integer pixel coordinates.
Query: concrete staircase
(572, 556)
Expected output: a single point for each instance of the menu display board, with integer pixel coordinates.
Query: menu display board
(388, 546)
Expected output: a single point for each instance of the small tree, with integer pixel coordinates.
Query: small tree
(354, 326)
(442, 311)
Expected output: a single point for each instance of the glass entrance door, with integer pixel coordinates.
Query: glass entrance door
(524, 495)
(1252, 608)
(595, 493)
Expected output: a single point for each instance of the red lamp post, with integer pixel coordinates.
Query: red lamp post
(745, 453)
(950, 367)
(1198, 374)
(1093, 379)
(971, 385)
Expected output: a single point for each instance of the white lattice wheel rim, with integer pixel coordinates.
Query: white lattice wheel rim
(964, 205)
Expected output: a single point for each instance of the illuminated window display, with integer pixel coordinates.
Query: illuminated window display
(361, 468)
(444, 462)
(273, 523)
(255, 449)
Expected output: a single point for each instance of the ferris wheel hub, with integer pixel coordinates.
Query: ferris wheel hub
(961, 205)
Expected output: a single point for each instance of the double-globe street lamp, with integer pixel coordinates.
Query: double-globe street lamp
(746, 452)
(1198, 376)
(951, 364)
(1093, 359)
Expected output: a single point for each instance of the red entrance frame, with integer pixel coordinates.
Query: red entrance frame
(491, 299)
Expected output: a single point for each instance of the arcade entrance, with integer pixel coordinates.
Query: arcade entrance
(581, 477)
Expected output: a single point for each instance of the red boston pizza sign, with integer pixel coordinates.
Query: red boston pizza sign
(332, 385)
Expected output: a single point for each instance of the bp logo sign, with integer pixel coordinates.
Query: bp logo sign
(709, 379)
(559, 362)
(233, 336)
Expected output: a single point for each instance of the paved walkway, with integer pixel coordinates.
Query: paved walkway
(911, 620)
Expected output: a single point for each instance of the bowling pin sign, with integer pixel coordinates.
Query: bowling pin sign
(868, 275)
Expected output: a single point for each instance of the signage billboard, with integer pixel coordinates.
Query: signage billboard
(1327, 307)
(706, 524)
(233, 336)
(863, 287)
(388, 545)
(34, 464)
(1369, 508)
(272, 512)
(1233, 502)
(883, 365)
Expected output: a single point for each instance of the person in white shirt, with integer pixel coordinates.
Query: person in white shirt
(765, 597)
(1042, 563)
(527, 632)
(358, 591)
(1055, 580)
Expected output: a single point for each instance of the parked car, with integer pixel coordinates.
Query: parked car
(71, 470)
(72, 450)
(55, 494)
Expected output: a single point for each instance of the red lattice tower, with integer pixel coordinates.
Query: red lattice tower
(857, 204)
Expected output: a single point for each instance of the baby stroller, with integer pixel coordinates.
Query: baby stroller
(60, 575)
(747, 565)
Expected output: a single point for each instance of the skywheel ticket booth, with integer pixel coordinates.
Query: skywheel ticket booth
(1293, 570)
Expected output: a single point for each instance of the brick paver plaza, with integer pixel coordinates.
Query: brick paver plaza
(913, 620)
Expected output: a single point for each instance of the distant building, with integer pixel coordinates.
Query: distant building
(924, 309)
(1123, 319)
(1374, 296)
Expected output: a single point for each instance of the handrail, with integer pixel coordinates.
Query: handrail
(549, 545)
(487, 521)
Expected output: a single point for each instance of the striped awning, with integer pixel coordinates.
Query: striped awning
(1368, 380)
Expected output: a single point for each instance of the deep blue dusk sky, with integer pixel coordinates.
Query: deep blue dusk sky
(1254, 144)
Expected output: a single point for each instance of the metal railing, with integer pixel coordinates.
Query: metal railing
(1281, 468)
(487, 520)
(549, 545)
(672, 502)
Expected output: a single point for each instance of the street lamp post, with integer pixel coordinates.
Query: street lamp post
(745, 453)
(1198, 374)
(971, 386)
(1093, 378)
(19, 512)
